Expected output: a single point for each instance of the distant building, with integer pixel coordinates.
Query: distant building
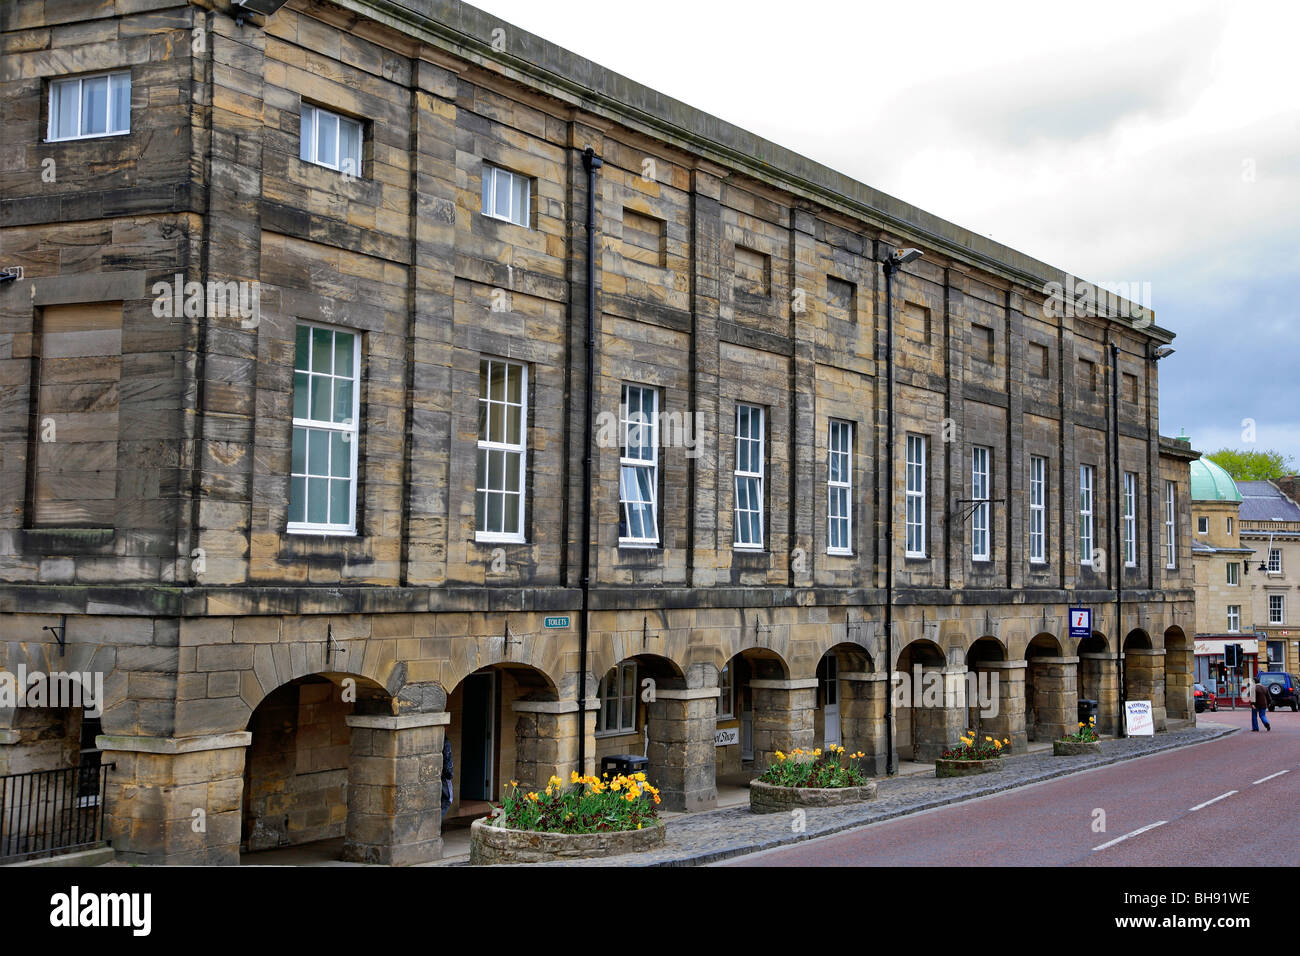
(1270, 523)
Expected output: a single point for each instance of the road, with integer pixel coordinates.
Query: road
(1229, 802)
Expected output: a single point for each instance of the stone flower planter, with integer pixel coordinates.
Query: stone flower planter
(1075, 748)
(769, 798)
(965, 768)
(489, 844)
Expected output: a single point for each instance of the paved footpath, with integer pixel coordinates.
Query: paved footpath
(696, 839)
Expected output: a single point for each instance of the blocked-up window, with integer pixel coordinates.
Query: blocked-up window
(72, 465)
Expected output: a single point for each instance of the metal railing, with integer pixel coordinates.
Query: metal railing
(44, 812)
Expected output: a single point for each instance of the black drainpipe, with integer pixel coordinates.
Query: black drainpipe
(1117, 560)
(591, 162)
(889, 516)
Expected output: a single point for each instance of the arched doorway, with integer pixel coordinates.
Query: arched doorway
(753, 715)
(1051, 690)
(297, 764)
(1097, 680)
(928, 701)
(1179, 664)
(1144, 675)
(983, 687)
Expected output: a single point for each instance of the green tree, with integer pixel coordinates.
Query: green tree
(1253, 465)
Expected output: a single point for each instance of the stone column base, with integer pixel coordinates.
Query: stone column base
(683, 758)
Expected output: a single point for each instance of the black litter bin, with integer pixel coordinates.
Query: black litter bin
(1087, 709)
(614, 764)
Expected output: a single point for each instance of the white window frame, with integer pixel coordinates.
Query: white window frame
(309, 140)
(349, 429)
(1280, 616)
(624, 677)
(1087, 476)
(1229, 524)
(981, 532)
(1130, 519)
(839, 462)
(510, 448)
(494, 179)
(109, 102)
(628, 463)
(914, 520)
(1037, 509)
(752, 479)
(1234, 574)
(1171, 527)
(1234, 618)
(726, 693)
(1203, 524)
(1274, 567)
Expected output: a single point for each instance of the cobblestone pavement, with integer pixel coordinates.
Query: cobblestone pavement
(700, 838)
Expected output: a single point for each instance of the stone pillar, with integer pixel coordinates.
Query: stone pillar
(939, 714)
(546, 740)
(1144, 679)
(682, 753)
(1004, 683)
(1056, 696)
(862, 719)
(395, 789)
(157, 784)
(783, 717)
(1098, 681)
(1178, 684)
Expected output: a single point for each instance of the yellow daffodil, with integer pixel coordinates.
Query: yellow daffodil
(573, 777)
(640, 777)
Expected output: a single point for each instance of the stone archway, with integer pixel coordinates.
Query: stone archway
(1144, 674)
(1097, 680)
(1179, 666)
(762, 709)
(1051, 689)
(928, 701)
(861, 692)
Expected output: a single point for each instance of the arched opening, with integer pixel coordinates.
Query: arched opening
(1144, 675)
(850, 708)
(1051, 691)
(752, 723)
(929, 708)
(828, 717)
(501, 729)
(296, 766)
(983, 687)
(1096, 679)
(1179, 677)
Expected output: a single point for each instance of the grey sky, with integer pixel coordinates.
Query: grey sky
(1143, 142)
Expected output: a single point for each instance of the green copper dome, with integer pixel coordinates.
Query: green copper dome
(1211, 483)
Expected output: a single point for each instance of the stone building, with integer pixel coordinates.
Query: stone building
(294, 392)
(1224, 612)
(1270, 523)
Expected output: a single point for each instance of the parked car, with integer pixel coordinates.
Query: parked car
(1204, 699)
(1283, 689)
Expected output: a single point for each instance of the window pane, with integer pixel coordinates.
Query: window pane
(320, 397)
(496, 467)
(487, 189)
(327, 139)
(299, 466)
(340, 455)
(297, 499)
(121, 84)
(318, 491)
(519, 189)
(94, 105)
(343, 343)
(350, 147)
(512, 471)
(300, 393)
(629, 718)
(340, 501)
(511, 525)
(302, 345)
(64, 109)
(496, 510)
(503, 195)
(307, 137)
(512, 435)
(318, 450)
(321, 340)
(497, 384)
(342, 401)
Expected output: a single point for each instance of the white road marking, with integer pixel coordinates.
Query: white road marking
(1271, 776)
(1149, 826)
(1222, 796)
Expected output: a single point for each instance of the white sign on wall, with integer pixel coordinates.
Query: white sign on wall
(726, 737)
(1137, 718)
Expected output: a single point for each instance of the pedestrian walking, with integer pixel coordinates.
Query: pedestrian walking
(1260, 710)
(447, 771)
